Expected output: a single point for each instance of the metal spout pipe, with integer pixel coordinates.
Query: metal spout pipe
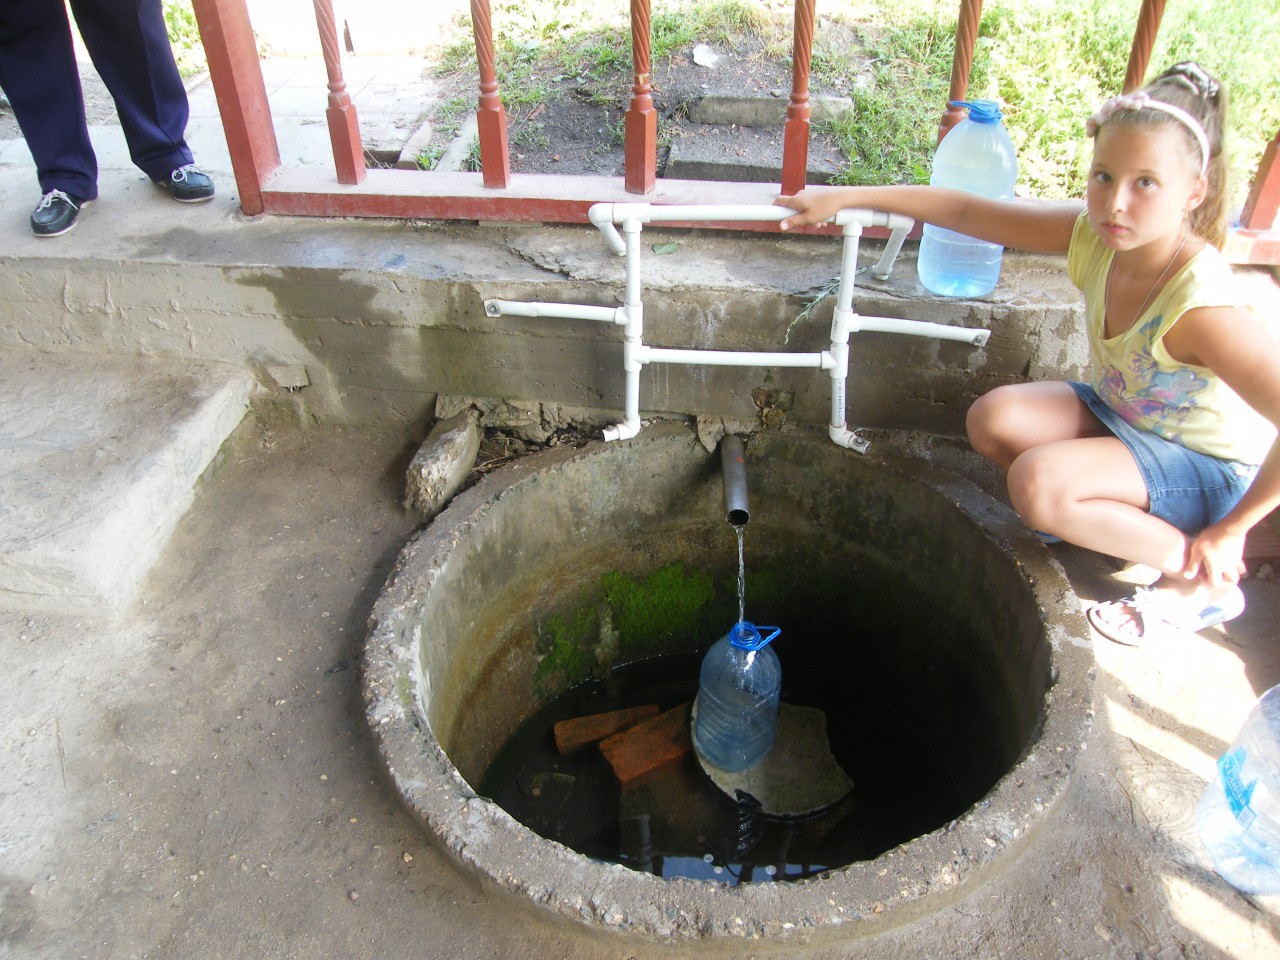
(733, 471)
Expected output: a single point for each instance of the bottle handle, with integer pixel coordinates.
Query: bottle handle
(760, 641)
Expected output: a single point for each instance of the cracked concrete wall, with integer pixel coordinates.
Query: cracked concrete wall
(385, 316)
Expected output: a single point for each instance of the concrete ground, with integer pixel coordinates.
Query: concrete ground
(192, 777)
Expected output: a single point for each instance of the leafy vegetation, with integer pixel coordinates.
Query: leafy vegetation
(1049, 63)
(184, 37)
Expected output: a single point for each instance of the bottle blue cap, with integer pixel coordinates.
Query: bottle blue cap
(981, 111)
(745, 635)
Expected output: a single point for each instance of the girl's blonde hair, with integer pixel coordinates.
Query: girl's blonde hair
(1188, 86)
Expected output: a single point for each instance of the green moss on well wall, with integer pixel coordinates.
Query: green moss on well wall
(650, 614)
(631, 618)
(567, 643)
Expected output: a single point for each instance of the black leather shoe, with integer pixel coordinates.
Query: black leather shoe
(188, 184)
(56, 214)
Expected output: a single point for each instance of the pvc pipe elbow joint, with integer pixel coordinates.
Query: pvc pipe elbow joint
(622, 431)
(601, 217)
(844, 437)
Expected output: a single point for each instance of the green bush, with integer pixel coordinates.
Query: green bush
(1050, 63)
(184, 37)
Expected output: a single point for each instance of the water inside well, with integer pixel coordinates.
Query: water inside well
(681, 825)
(914, 711)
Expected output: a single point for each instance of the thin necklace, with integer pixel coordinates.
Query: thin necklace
(1154, 287)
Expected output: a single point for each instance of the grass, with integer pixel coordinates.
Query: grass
(184, 37)
(1048, 62)
(428, 157)
(539, 45)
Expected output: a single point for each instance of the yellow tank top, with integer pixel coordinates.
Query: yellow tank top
(1135, 375)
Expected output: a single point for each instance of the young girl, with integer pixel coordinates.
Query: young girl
(1168, 457)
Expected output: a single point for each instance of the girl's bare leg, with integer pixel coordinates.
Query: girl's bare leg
(1069, 476)
(1010, 420)
(1090, 492)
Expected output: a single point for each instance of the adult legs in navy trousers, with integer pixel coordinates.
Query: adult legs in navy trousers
(130, 48)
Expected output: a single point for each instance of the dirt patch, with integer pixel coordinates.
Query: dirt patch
(580, 129)
(98, 105)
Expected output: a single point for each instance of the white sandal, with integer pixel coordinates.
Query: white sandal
(1156, 609)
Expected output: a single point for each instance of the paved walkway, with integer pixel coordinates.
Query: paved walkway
(393, 95)
(387, 78)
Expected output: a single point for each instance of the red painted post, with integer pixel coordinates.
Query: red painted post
(1262, 209)
(961, 62)
(232, 54)
(344, 128)
(640, 165)
(495, 160)
(795, 142)
(1144, 38)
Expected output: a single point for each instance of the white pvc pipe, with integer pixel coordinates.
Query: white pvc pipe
(736, 358)
(700, 212)
(630, 424)
(847, 438)
(872, 218)
(631, 362)
(566, 311)
(601, 214)
(604, 215)
(848, 274)
(622, 431)
(633, 299)
(919, 328)
(844, 321)
(885, 264)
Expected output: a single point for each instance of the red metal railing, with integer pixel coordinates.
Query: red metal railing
(961, 60)
(344, 128)
(641, 124)
(265, 186)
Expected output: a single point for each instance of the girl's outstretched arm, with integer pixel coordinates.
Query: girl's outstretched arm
(1237, 346)
(1035, 225)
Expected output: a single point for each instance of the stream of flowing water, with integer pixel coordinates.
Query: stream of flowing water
(742, 573)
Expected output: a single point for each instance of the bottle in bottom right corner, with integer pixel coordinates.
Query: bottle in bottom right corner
(1239, 814)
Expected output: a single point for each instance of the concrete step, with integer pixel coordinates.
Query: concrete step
(756, 111)
(743, 154)
(99, 458)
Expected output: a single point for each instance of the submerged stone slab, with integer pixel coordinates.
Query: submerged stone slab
(798, 777)
(99, 457)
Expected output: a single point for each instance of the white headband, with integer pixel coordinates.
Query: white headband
(1141, 101)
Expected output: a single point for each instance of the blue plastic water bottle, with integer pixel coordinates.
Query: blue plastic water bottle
(738, 698)
(1239, 814)
(976, 156)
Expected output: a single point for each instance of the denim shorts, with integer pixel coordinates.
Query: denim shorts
(1189, 490)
